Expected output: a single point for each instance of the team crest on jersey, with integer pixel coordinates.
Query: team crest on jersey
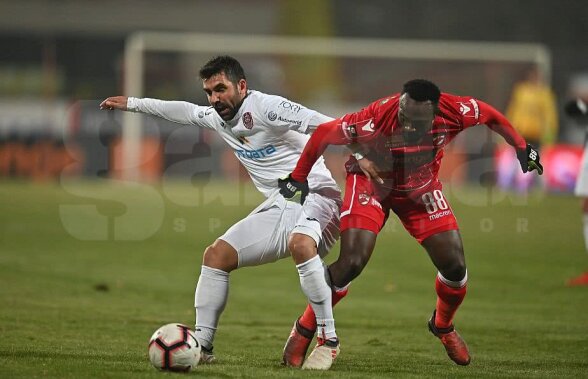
(201, 114)
(248, 120)
(272, 116)
(363, 198)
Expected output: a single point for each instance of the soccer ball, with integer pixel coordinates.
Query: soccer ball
(174, 347)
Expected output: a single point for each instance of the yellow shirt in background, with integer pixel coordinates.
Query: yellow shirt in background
(533, 112)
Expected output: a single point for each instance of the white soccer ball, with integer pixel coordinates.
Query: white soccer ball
(174, 347)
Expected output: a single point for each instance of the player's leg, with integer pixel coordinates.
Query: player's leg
(314, 284)
(446, 251)
(581, 190)
(428, 217)
(257, 239)
(318, 213)
(356, 249)
(582, 280)
(358, 235)
(357, 246)
(212, 290)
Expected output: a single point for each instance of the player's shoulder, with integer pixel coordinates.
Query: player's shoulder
(381, 106)
(456, 104)
(262, 106)
(260, 102)
(276, 109)
(386, 102)
(205, 116)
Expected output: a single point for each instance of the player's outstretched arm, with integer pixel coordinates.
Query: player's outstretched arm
(326, 134)
(527, 155)
(180, 112)
(115, 102)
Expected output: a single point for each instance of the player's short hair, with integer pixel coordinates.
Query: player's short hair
(223, 63)
(422, 90)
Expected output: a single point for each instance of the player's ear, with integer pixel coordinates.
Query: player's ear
(242, 86)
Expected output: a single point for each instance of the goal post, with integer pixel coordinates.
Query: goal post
(140, 43)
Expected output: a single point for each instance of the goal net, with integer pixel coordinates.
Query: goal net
(331, 75)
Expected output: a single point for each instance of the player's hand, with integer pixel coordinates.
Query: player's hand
(115, 102)
(529, 159)
(289, 188)
(369, 169)
(576, 108)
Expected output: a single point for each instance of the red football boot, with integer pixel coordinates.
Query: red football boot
(297, 345)
(581, 280)
(455, 346)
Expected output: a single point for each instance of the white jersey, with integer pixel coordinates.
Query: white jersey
(267, 134)
(582, 180)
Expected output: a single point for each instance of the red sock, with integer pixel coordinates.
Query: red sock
(308, 318)
(448, 300)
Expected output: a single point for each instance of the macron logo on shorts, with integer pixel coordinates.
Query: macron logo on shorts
(439, 215)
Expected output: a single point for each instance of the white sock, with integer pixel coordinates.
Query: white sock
(318, 292)
(451, 283)
(586, 230)
(210, 299)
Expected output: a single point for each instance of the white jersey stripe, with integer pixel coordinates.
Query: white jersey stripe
(343, 214)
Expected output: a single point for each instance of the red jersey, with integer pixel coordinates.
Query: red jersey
(403, 166)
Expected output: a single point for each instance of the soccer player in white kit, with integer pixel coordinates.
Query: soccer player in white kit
(267, 134)
(578, 110)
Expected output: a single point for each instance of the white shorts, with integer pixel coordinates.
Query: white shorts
(582, 181)
(262, 236)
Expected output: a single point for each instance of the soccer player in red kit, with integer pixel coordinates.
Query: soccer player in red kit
(399, 143)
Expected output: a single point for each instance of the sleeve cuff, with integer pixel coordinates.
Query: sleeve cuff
(132, 104)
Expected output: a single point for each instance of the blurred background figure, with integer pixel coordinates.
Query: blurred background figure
(577, 109)
(533, 112)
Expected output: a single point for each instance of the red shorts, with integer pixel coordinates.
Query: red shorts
(423, 212)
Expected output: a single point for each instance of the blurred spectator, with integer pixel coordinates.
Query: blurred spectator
(532, 111)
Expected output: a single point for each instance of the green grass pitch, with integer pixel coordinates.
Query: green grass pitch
(72, 308)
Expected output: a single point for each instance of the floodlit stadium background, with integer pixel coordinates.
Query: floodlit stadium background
(59, 59)
(78, 223)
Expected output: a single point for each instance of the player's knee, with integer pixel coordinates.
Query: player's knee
(455, 269)
(353, 263)
(219, 257)
(356, 266)
(302, 247)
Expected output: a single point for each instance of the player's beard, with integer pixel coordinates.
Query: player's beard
(226, 111)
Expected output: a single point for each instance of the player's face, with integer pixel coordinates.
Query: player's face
(415, 117)
(225, 96)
